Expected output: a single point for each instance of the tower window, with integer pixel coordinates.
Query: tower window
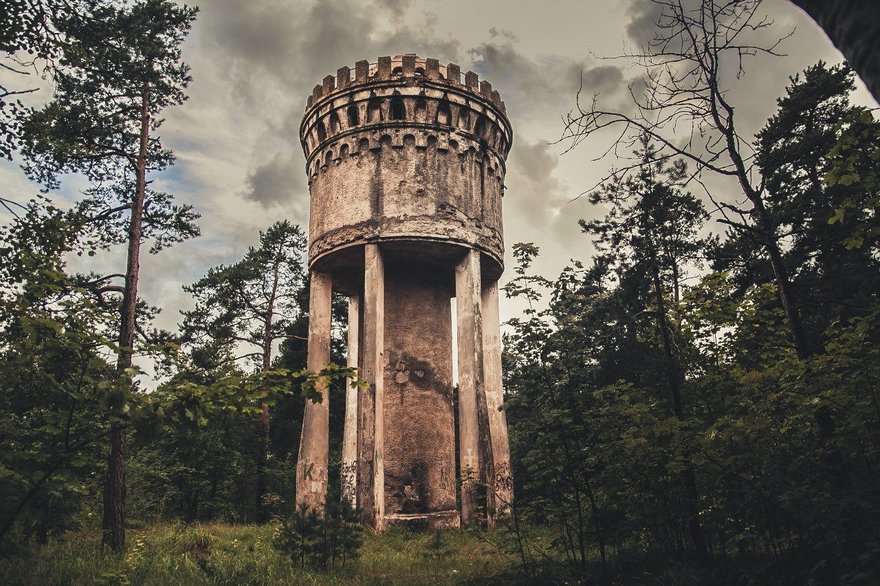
(322, 132)
(480, 129)
(464, 119)
(398, 112)
(374, 110)
(444, 115)
(353, 116)
(421, 110)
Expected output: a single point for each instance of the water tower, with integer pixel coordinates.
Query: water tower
(406, 165)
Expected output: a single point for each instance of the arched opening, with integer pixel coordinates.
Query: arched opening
(444, 114)
(398, 111)
(334, 123)
(322, 132)
(374, 110)
(353, 116)
(464, 119)
(421, 110)
(397, 71)
(480, 128)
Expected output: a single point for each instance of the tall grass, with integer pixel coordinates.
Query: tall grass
(172, 554)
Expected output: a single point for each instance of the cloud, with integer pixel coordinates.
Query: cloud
(535, 161)
(296, 44)
(273, 182)
(539, 201)
(643, 15)
(526, 81)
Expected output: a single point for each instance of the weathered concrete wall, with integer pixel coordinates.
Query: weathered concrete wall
(405, 150)
(420, 426)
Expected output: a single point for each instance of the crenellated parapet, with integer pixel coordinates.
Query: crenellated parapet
(404, 91)
(406, 149)
(403, 67)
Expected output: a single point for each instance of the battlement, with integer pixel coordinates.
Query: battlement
(404, 67)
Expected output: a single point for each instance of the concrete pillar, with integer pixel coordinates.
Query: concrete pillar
(500, 480)
(312, 462)
(371, 471)
(470, 373)
(349, 433)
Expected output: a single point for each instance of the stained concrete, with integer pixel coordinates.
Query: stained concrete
(420, 444)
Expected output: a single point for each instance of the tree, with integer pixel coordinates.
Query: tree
(650, 233)
(29, 40)
(834, 278)
(686, 68)
(249, 306)
(53, 345)
(121, 67)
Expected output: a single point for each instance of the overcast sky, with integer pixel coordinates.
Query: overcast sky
(239, 161)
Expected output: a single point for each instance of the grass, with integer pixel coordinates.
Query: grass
(170, 554)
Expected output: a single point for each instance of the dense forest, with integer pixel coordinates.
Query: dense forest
(695, 403)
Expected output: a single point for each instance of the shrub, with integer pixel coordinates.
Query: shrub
(319, 541)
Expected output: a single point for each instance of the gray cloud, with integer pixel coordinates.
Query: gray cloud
(539, 198)
(643, 14)
(297, 45)
(272, 182)
(275, 51)
(526, 81)
(535, 161)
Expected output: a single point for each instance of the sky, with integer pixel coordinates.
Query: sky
(254, 62)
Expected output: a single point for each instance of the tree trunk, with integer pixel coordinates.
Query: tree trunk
(262, 457)
(114, 487)
(854, 27)
(783, 281)
(673, 371)
(765, 225)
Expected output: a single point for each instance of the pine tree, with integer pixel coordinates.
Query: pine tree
(247, 307)
(121, 67)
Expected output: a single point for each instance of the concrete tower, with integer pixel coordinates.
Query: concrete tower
(406, 172)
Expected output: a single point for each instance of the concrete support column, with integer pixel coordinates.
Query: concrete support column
(312, 462)
(371, 404)
(350, 433)
(470, 374)
(500, 481)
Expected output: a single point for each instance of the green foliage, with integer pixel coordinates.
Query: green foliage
(781, 449)
(318, 541)
(251, 303)
(54, 385)
(172, 554)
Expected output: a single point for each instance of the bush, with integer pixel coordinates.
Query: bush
(318, 541)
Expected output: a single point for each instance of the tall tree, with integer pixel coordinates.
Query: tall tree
(650, 233)
(29, 41)
(686, 110)
(249, 307)
(830, 250)
(121, 67)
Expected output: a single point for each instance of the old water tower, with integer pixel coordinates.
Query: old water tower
(406, 165)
